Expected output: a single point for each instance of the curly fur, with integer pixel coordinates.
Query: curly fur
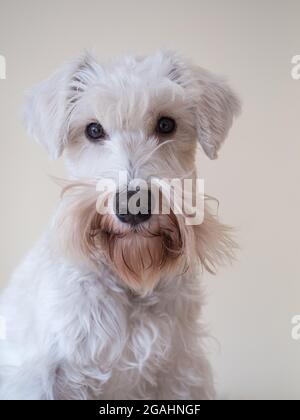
(98, 310)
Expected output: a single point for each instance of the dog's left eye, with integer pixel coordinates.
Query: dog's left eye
(166, 125)
(94, 132)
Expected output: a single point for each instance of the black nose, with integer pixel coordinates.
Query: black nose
(133, 207)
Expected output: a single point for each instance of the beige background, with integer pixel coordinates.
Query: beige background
(256, 178)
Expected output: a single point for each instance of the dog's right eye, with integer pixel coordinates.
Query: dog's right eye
(94, 132)
(166, 125)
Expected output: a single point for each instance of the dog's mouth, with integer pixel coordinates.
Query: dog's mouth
(138, 254)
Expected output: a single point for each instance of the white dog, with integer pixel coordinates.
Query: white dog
(107, 306)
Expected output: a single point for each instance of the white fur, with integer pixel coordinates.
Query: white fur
(76, 330)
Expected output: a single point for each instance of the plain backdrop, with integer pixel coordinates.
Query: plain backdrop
(256, 178)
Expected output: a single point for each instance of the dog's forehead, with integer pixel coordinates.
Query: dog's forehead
(138, 76)
(132, 89)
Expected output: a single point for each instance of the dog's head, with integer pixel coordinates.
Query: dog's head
(142, 117)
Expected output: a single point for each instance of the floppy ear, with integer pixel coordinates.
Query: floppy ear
(214, 103)
(215, 108)
(49, 105)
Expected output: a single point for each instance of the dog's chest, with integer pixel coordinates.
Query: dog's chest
(143, 355)
(116, 343)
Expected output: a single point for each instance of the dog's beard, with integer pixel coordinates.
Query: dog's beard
(140, 256)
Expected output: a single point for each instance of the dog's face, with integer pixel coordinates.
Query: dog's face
(143, 117)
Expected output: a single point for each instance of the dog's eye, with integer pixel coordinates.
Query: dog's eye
(166, 125)
(94, 132)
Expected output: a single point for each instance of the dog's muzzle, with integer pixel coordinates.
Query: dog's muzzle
(133, 206)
